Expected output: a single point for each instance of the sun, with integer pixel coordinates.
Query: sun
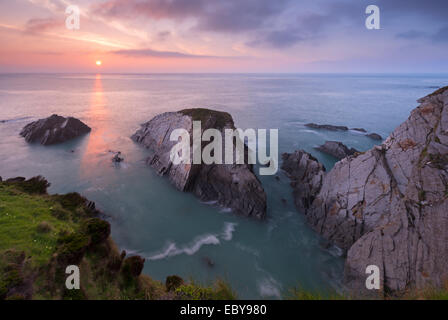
(98, 62)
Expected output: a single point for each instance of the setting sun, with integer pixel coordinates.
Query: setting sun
(98, 62)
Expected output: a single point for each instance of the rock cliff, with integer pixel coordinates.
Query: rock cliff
(389, 206)
(54, 129)
(232, 185)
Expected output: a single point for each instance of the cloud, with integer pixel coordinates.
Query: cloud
(411, 34)
(432, 9)
(441, 35)
(165, 54)
(41, 25)
(210, 15)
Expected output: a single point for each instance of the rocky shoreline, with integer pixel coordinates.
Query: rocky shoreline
(388, 206)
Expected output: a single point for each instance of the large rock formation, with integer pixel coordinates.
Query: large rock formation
(337, 149)
(306, 174)
(389, 206)
(54, 129)
(232, 185)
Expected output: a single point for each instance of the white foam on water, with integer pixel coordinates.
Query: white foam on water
(269, 287)
(171, 249)
(229, 228)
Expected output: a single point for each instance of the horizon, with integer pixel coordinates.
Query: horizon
(197, 37)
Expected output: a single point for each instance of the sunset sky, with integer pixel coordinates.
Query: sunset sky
(223, 36)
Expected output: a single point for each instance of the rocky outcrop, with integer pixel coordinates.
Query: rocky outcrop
(336, 149)
(374, 136)
(232, 185)
(326, 127)
(389, 207)
(306, 174)
(331, 127)
(53, 130)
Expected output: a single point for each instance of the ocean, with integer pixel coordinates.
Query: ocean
(174, 231)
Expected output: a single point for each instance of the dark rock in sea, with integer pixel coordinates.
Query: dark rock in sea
(284, 201)
(117, 158)
(374, 136)
(326, 127)
(233, 186)
(336, 149)
(359, 129)
(306, 174)
(54, 129)
(277, 178)
(388, 206)
(208, 262)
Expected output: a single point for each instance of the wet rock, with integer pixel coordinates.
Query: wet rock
(326, 127)
(208, 262)
(374, 136)
(388, 206)
(359, 130)
(53, 130)
(336, 149)
(233, 186)
(117, 157)
(306, 174)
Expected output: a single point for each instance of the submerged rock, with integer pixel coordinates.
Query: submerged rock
(374, 136)
(326, 127)
(359, 129)
(54, 129)
(233, 186)
(388, 207)
(336, 149)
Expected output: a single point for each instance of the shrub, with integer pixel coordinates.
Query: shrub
(43, 227)
(72, 247)
(133, 266)
(173, 282)
(71, 201)
(97, 229)
(34, 185)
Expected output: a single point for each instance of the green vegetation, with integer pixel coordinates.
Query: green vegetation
(193, 291)
(200, 114)
(41, 234)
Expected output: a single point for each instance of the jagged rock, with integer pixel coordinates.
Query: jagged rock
(326, 126)
(306, 174)
(233, 186)
(336, 149)
(54, 129)
(374, 136)
(117, 157)
(388, 206)
(359, 129)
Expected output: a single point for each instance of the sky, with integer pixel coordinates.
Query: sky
(242, 36)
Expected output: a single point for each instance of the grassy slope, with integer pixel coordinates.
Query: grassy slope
(41, 234)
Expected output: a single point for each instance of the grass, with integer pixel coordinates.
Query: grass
(21, 219)
(40, 234)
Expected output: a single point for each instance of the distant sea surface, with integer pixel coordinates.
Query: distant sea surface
(174, 231)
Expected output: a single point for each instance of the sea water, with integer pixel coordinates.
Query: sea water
(174, 231)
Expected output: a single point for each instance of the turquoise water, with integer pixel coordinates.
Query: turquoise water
(174, 231)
